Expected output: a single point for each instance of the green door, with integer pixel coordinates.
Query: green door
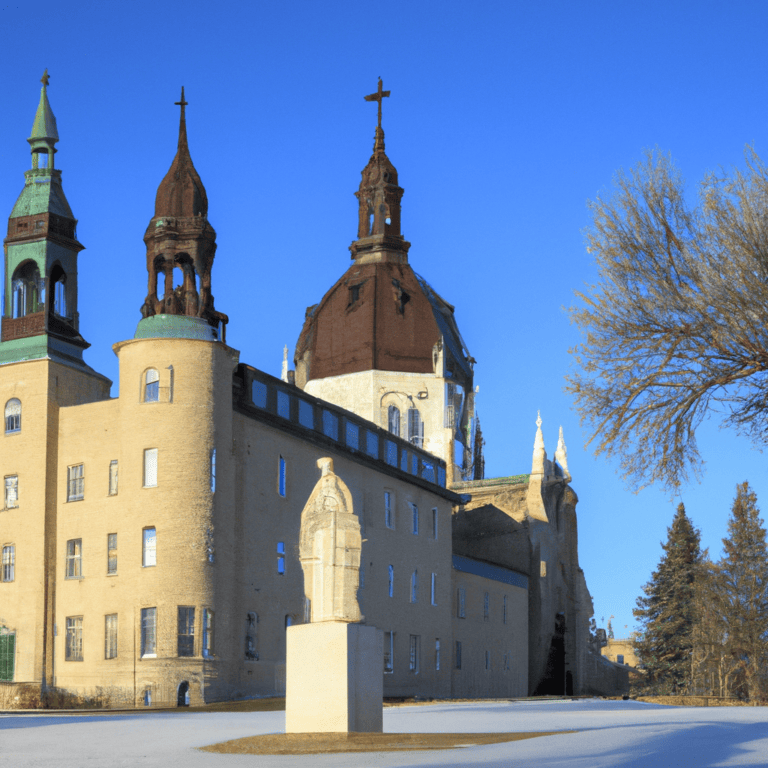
(7, 645)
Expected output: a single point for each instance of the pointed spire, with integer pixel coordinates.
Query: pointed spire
(284, 373)
(181, 193)
(539, 453)
(44, 128)
(182, 123)
(561, 456)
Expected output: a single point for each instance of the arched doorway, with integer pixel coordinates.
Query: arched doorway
(182, 697)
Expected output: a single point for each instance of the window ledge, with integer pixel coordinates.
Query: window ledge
(148, 656)
(80, 498)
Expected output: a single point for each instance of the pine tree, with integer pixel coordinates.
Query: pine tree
(667, 612)
(742, 580)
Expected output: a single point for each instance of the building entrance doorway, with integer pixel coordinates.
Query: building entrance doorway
(182, 699)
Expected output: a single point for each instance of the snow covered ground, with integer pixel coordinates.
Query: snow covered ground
(611, 733)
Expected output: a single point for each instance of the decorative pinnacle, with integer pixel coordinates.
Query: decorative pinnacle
(182, 120)
(378, 96)
(45, 78)
(538, 420)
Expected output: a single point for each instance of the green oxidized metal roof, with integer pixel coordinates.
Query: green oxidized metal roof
(44, 126)
(42, 193)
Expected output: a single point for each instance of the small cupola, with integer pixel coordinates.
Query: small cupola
(44, 132)
(181, 245)
(378, 230)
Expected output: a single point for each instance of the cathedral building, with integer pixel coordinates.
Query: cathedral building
(150, 542)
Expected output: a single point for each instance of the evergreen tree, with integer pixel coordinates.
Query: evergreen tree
(742, 581)
(667, 611)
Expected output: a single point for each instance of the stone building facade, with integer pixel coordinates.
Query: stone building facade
(150, 542)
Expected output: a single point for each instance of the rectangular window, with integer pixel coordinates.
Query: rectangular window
(11, 491)
(543, 568)
(353, 435)
(213, 471)
(507, 659)
(113, 478)
(149, 547)
(73, 650)
(487, 661)
(391, 580)
(283, 404)
(330, 424)
(434, 589)
(486, 607)
(75, 482)
(415, 587)
(281, 557)
(207, 633)
(414, 520)
(619, 658)
(281, 477)
(458, 654)
(111, 553)
(437, 654)
(414, 652)
(505, 609)
(434, 522)
(389, 653)
(9, 559)
(148, 631)
(110, 636)
(415, 428)
(460, 603)
(259, 394)
(150, 468)
(186, 631)
(372, 443)
(306, 414)
(74, 559)
(389, 513)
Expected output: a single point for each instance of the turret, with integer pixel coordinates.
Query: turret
(40, 317)
(181, 245)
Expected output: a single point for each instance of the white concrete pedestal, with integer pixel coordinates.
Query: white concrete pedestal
(334, 678)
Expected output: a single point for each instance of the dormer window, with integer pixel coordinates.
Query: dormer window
(151, 386)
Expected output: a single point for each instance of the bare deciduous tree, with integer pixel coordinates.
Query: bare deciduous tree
(676, 328)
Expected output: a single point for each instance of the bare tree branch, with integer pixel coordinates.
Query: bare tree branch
(676, 329)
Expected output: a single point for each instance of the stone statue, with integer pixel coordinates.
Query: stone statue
(329, 550)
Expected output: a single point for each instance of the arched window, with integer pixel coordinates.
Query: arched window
(393, 420)
(151, 386)
(13, 416)
(415, 587)
(60, 296)
(415, 428)
(26, 287)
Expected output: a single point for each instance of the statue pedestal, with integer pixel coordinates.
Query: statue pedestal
(334, 678)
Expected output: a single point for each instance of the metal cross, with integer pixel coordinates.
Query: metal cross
(378, 96)
(44, 79)
(181, 103)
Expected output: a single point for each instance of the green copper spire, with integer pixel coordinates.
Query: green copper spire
(44, 132)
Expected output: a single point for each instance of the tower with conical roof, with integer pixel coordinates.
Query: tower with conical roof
(40, 317)
(181, 245)
(382, 342)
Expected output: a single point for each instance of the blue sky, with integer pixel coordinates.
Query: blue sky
(504, 119)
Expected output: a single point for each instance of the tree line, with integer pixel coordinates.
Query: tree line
(704, 624)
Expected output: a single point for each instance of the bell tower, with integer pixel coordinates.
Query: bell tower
(378, 230)
(181, 245)
(40, 317)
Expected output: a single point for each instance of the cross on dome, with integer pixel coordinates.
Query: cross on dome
(378, 96)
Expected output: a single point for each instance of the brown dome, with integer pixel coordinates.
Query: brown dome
(181, 193)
